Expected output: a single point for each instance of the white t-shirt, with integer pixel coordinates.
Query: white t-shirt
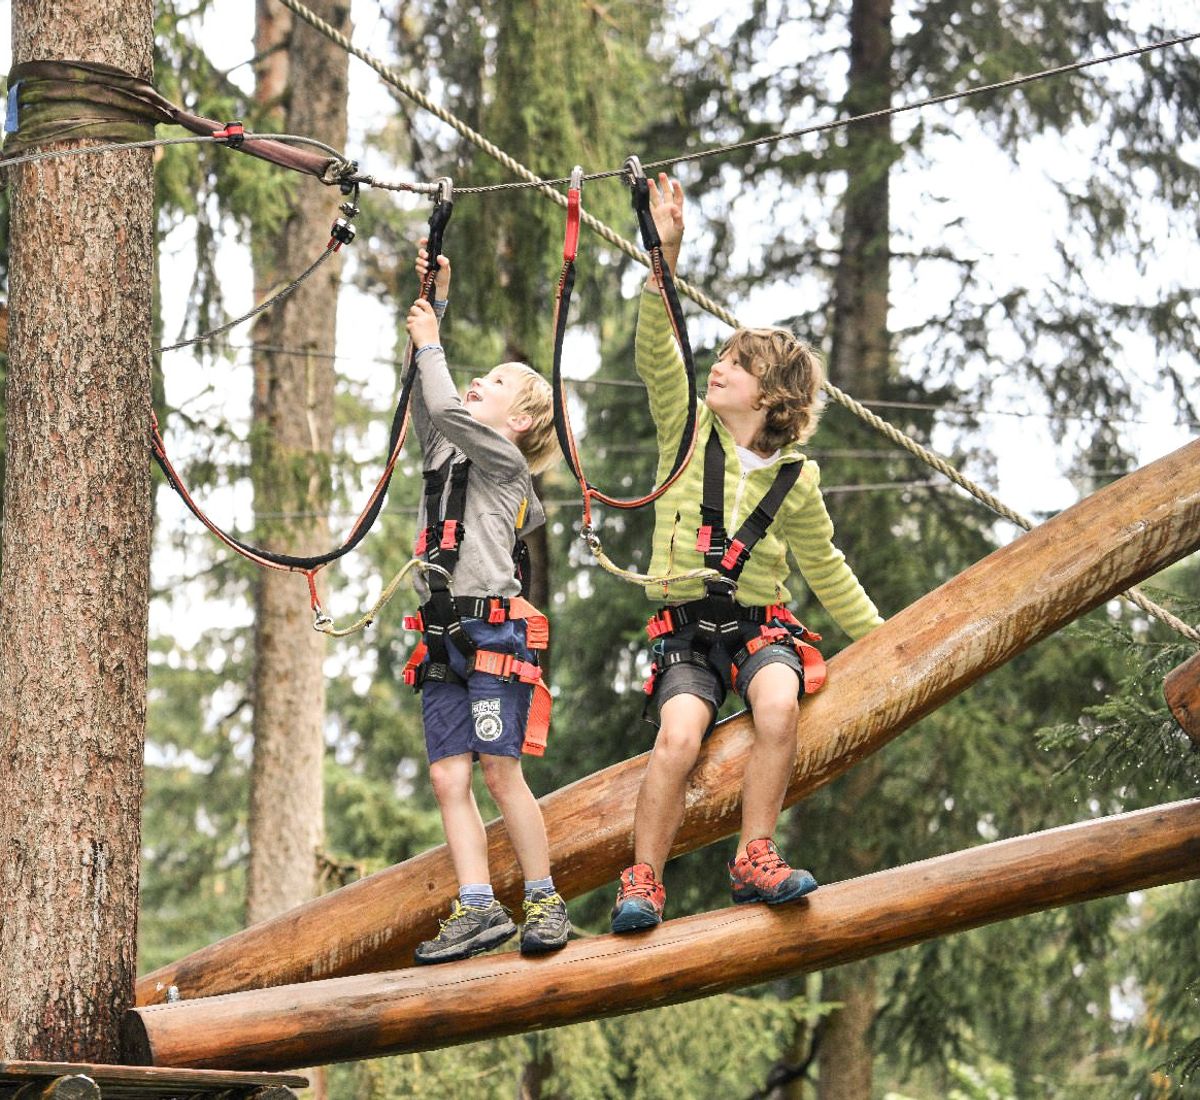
(751, 461)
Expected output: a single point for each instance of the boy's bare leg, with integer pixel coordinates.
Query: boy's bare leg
(451, 779)
(522, 815)
(660, 804)
(773, 699)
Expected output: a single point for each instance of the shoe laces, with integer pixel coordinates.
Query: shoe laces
(457, 912)
(771, 860)
(541, 909)
(640, 888)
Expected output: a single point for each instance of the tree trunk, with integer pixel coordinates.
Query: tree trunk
(76, 556)
(292, 444)
(859, 362)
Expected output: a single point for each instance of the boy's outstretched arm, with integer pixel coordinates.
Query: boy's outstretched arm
(422, 425)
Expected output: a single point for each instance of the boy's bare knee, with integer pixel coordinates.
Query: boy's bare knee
(502, 774)
(449, 779)
(678, 744)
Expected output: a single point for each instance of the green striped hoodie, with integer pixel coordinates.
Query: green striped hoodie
(801, 525)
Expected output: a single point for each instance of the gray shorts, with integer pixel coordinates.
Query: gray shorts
(708, 682)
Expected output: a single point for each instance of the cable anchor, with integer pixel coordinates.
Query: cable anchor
(233, 135)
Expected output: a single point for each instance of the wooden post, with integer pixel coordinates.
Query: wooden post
(877, 688)
(1182, 689)
(368, 1015)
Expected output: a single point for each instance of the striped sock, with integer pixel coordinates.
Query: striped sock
(478, 895)
(546, 885)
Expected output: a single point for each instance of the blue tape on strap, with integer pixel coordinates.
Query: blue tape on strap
(10, 114)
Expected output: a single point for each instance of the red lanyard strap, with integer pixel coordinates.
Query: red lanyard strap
(666, 285)
(311, 565)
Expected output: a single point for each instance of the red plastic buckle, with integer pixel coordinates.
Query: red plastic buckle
(496, 612)
(526, 671)
(449, 534)
(704, 539)
(732, 554)
(414, 622)
(660, 624)
(234, 134)
(421, 543)
(571, 244)
(648, 686)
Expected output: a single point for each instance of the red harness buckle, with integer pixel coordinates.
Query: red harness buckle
(704, 539)
(732, 554)
(660, 624)
(414, 622)
(449, 534)
(413, 663)
(422, 541)
(493, 663)
(496, 612)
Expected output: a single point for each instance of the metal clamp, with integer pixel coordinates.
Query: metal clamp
(633, 171)
(445, 189)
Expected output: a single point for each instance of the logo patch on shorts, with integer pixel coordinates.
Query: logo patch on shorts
(488, 723)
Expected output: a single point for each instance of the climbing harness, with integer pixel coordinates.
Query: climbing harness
(440, 618)
(341, 233)
(718, 617)
(640, 192)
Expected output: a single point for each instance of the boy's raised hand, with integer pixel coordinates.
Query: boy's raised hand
(666, 207)
(422, 324)
(441, 287)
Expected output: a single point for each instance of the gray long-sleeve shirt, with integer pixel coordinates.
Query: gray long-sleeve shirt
(498, 484)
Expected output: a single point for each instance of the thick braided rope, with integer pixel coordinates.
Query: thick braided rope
(889, 431)
(325, 624)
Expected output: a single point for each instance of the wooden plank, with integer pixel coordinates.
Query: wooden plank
(364, 1016)
(30, 1080)
(877, 688)
(1182, 691)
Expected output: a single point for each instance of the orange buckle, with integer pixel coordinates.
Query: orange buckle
(413, 663)
(414, 622)
(493, 663)
(496, 612)
(422, 541)
(661, 624)
(527, 672)
(449, 534)
(704, 538)
(733, 554)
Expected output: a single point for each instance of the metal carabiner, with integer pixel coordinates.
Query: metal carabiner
(632, 170)
(445, 189)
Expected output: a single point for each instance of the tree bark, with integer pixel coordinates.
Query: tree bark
(292, 445)
(425, 1008)
(1182, 691)
(76, 554)
(877, 688)
(860, 362)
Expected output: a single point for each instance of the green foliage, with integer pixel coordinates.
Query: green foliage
(722, 1046)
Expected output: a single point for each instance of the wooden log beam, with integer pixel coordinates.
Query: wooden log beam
(82, 1081)
(1182, 690)
(877, 688)
(367, 1015)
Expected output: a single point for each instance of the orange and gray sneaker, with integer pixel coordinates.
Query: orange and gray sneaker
(640, 899)
(762, 875)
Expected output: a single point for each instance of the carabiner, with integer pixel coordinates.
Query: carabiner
(633, 171)
(445, 189)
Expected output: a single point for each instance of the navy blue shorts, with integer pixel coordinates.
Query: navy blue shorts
(488, 715)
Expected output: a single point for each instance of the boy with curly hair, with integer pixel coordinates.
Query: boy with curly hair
(747, 496)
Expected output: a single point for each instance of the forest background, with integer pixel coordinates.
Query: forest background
(1009, 278)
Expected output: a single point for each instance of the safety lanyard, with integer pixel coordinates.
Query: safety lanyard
(310, 566)
(562, 424)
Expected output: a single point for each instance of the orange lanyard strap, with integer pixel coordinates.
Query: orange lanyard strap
(666, 285)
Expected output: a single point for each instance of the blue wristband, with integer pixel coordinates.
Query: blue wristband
(428, 347)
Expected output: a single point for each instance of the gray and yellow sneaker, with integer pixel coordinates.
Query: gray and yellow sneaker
(468, 930)
(547, 925)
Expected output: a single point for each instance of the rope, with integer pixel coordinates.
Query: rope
(532, 180)
(325, 625)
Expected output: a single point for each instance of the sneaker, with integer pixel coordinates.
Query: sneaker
(640, 900)
(468, 930)
(547, 925)
(762, 875)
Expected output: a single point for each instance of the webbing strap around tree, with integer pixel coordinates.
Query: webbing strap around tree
(53, 101)
(562, 305)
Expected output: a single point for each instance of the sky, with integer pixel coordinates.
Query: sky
(1012, 211)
